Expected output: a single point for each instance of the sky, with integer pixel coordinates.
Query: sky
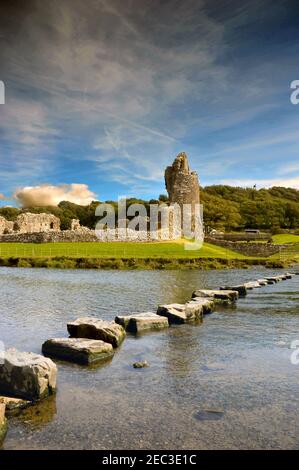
(101, 95)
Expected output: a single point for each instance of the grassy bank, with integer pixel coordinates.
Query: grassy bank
(128, 255)
(115, 250)
(139, 263)
(285, 238)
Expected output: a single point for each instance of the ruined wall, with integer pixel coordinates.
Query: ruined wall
(33, 223)
(75, 224)
(247, 249)
(182, 184)
(183, 189)
(6, 226)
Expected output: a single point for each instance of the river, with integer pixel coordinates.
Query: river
(237, 363)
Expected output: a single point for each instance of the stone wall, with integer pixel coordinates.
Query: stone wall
(46, 237)
(242, 236)
(6, 226)
(248, 249)
(87, 235)
(33, 223)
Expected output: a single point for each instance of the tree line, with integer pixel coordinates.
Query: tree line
(225, 208)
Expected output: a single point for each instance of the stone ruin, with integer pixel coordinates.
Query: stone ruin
(75, 224)
(30, 223)
(34, 223)
(181, 183)
(183, 190)
(42, 228)
(6, 226)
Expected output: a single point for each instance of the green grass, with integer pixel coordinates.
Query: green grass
(285, 238)
(115, 250)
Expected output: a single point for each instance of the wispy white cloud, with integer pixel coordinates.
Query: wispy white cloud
(123, 88)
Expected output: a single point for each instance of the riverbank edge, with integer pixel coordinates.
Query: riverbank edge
(64, 262)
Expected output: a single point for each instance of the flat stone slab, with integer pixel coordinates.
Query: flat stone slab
(79, 350)
(281, 277)
(26, 375)
(94, 328)
(230, 295)
(288, 275)
(14, 404)
(252, 285)
(262, 282)
(176, 313)
(205, 305)
(3, 423)
(240, 288)
(139, 322)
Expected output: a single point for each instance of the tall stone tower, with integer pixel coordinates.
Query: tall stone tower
(182, 184)
(183, 189)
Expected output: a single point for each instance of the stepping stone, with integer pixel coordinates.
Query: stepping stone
(177, 313)
(231, 295)
(27, 375)
(79, 350)
(272, 279)
(288, 275)
(3, 423)
(279, 278)
(263, 282)
(206, 305)
(209, 415)
(252, 285)
(14, 404)
(240, 288)
(139, 322)
(94, 328)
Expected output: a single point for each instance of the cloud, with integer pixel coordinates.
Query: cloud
(117, 89)
(48, 195)
(2, 196)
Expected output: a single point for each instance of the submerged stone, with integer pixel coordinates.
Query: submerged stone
(140, 364)
(14, 405)
(27, 375)
(79, 350)
(209, 415)
(139, 322)
(94, 328)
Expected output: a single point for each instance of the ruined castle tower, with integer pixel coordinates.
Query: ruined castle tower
(182, 184)
(183, 189)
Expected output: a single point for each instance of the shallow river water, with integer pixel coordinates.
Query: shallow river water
(237, 362)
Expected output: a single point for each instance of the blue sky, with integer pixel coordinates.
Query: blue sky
(105, 93)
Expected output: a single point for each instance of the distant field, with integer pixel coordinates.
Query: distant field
(285, 238)
(116, 250)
